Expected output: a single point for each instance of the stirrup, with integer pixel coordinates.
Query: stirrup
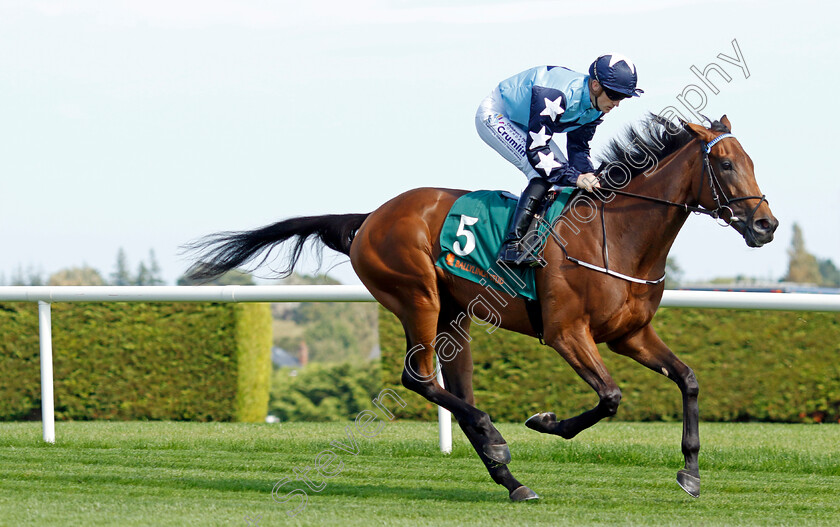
(513, 255)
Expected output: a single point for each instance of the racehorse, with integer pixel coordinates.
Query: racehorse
(601, 282)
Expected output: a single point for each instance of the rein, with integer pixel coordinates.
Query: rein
(715, 213)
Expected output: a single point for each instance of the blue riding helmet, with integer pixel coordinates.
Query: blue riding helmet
(617, 73)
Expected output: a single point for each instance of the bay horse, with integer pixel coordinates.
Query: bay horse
(602, 281)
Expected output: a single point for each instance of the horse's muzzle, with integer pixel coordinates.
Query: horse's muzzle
(759, 231)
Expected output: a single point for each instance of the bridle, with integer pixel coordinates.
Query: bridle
(720, 206)
(715, 187)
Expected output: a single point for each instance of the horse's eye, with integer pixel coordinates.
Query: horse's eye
(726, 165)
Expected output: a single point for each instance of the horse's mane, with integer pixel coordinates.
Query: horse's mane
(653, 136)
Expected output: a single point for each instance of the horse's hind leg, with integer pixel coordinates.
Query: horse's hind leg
(416, 302)
(453, 350)
(419, 375)
(392, 255)
(646, 348)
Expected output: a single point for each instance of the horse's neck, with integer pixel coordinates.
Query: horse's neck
(640, 233)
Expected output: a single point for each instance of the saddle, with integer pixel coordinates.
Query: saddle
(474, 230)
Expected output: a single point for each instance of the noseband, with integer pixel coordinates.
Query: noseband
(714, 184)
(716, 190)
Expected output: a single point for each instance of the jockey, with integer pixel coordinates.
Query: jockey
(522, 114)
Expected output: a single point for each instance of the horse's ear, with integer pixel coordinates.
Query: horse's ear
(685, 125)
(725, 122)
(698, 130)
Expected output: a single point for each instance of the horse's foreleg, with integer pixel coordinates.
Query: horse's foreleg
(647, 348)
(582, 355)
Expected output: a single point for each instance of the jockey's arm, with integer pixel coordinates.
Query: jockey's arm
(547, 105)
(577, 146)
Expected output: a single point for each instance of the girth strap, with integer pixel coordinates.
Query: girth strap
(534, 309)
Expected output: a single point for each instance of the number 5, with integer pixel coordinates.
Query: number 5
(469, 246)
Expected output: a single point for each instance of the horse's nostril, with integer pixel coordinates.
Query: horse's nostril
(763, 225)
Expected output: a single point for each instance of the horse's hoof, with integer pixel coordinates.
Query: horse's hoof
(497, 453)
(689, 483)
(541, 422)
(523, 493)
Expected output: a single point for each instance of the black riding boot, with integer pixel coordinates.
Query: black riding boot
(512, 252)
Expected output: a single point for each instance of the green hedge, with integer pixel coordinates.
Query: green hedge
(202, 362)
(751, 365)
(324, 392)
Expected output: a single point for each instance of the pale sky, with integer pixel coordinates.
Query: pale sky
(145, 124)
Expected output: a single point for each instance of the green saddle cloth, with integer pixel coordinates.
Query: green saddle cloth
(474, 231)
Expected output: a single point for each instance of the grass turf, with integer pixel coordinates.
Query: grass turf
(166, 473)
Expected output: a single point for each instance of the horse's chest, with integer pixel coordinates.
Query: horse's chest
(622, 317)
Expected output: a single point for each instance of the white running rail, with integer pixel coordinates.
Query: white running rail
(45, 295)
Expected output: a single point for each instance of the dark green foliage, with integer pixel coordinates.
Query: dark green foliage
(191, 361)
(234, 277)
(324, 392)
(751, 365)
(30, 276)
(121, 274)
(829, 273)
(333, 331)
(147, 273)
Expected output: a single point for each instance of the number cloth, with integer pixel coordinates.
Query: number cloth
(474, 231)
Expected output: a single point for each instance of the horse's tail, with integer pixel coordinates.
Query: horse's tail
(218, 253)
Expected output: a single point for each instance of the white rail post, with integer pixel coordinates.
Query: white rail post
(444, 419)
(47, 405)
